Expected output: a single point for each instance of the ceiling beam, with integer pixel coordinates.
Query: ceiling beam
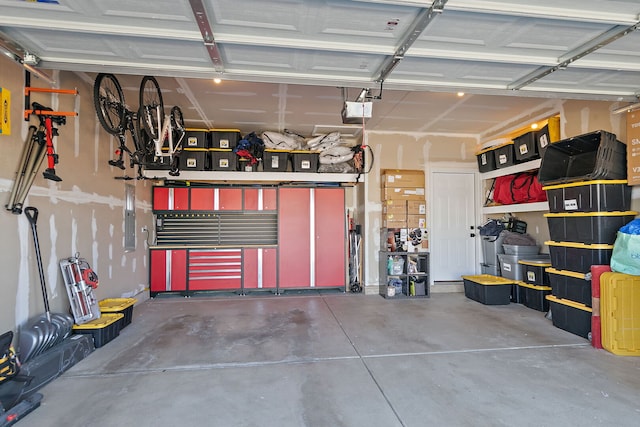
(567, 59)
(207, 34)
(416, 28)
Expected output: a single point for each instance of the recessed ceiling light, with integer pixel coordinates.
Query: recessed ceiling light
(217, 80)
(460, 94)
(534, 126)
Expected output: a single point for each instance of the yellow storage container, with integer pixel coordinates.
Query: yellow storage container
(102, 330)
(119, 305)
(620, 313)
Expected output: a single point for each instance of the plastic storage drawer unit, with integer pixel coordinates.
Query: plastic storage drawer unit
(595, 155)
(504, 155)
(578, 257)
(570, 285)
(487, 289)
(570, 316)
(119, 305)
(103, 330)
(275, 160)
(589, 196)
(587, 227)
(534, 296)
(534, 271)
(620, 313)
(486, 160)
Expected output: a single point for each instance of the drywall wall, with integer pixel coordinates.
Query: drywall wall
(403, 151)
(83, 214)
(415, 151)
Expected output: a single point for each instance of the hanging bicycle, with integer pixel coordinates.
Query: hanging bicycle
(154, 135)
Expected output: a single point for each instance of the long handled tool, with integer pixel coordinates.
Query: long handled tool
(32, 216)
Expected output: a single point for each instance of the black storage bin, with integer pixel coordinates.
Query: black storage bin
(487, 289)
(275, 160)
(486, 160)
(578, 257)
(504, 155)
(595, 155)
(223, 160)
(534, 296)
(587, 227)
(526, 147)
(534, 272)
(570, 285)
(194, 159)
(589, 196)
(570, 316)
(195, 138)
(226, 139)
(304, 161)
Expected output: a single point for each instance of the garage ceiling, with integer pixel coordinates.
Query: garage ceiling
(292, 63)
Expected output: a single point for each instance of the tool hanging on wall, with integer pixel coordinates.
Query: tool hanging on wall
(38, 145)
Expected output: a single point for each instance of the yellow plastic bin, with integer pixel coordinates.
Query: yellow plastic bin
(102, 330)
(123, 306)
(620, 313)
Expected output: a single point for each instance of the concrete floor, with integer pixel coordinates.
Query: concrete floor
(342, 360)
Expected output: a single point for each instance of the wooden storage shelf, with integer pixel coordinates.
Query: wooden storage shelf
(522, 207)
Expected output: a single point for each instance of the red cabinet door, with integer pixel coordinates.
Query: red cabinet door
(294, 239)
(259, 268)
(180, 199)
(168, 198)
(160, 198)
(229, 199)
(168, 270)
(330, 239)
(202, 199)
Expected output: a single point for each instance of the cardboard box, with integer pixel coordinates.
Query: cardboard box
(5, 112)
(398, 209)
(416, 207)
(397, 223)
(402, 193)
(416, 221)
(393, 178)
(633, 148)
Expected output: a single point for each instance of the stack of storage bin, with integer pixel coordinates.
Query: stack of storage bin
(588, 202)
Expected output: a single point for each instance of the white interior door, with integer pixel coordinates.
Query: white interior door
(452, 242)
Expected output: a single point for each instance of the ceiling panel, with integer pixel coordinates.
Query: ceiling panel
(291, 63)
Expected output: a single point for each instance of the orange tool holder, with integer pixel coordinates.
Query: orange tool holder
(27, 102)
(27, 98)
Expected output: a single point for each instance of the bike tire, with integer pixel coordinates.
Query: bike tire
(177, 120)
(150, 100)
(108, 100)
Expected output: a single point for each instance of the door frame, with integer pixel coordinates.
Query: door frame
(455, 167)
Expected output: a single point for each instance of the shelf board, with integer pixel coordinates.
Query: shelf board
(521, 167)
(281, 177)
(523, 207)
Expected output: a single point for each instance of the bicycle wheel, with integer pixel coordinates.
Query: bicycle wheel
(108, 100)
(177, 121)
(150, 103)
